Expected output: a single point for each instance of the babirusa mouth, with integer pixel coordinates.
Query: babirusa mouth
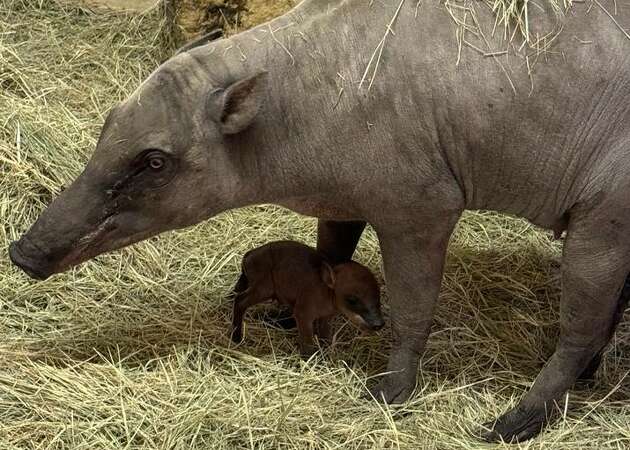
(89, 241)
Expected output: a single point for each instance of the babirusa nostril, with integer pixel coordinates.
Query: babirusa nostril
(20, 260)
(13, 251)
(15, 254)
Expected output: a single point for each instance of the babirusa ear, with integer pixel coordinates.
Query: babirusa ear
(236, 107)
(328, 275)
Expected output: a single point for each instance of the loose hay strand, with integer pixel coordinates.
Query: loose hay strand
(379, 50)
(617, 24)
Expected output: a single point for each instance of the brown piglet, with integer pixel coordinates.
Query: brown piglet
(298, 276)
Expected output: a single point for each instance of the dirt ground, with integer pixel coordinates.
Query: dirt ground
(195, 17)
(259, 11)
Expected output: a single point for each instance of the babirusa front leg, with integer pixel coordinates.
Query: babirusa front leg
(414, 261)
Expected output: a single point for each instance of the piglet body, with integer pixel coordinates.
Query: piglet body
(298, 276)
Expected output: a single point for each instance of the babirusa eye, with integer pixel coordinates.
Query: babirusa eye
(155, 160)
(156, 163)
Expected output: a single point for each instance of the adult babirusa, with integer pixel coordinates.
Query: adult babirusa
(356, 112)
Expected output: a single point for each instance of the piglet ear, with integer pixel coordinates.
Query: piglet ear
(328, 275)
(236, 107)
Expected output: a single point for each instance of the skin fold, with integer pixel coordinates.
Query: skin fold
(326, 112)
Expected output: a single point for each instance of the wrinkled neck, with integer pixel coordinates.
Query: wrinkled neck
(288, 152)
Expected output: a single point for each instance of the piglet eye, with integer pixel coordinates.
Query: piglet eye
(352, 301)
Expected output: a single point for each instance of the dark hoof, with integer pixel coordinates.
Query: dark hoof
(588, 378)
(392, 389)
(517, 425)
(280, 319)
(237, 335)
(588, 375)
(307, 353)
(286, 323)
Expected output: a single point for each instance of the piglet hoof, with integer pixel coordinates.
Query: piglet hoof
(307, 352)
(394, 388)
(237, 335)
(286, 323)
(280, 319)
(517, 425)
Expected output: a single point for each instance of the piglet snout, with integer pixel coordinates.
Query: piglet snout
(377, 324)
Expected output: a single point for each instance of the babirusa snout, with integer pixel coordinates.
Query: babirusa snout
(61, 234)
(30, 264)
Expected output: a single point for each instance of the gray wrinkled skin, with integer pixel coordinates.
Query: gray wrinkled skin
(277, 114)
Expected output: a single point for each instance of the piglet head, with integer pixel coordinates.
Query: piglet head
(356, 294)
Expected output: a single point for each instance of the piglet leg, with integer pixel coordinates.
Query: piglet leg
(324, 332)
(242, 302)
(306, 330)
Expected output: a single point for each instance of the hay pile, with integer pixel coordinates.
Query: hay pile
(131, 350)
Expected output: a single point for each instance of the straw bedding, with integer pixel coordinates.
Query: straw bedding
(131, 350)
